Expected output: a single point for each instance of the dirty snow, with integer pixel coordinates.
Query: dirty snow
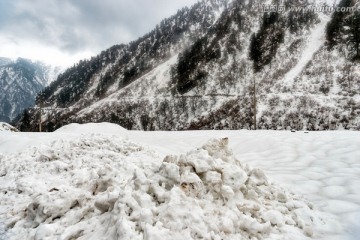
(80, 182)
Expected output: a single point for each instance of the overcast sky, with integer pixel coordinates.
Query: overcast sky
(62, 32)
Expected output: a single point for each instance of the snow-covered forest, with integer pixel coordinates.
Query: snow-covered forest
(207, 66)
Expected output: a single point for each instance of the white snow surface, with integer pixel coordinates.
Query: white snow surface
(105, 128)
(99, 181)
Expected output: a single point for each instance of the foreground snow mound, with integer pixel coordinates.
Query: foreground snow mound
(208, 194)
(63, 190)
(7, 127)
(102, 187)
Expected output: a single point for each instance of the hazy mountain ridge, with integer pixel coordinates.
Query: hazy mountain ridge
(210, 85)
(4, 61)
(20, 82)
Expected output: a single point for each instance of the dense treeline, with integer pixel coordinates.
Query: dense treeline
(344, 27)
(267, 40)
(189, 72)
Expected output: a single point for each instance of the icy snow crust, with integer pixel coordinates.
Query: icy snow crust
(101, 186)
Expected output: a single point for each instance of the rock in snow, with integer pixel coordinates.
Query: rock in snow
(106, 187)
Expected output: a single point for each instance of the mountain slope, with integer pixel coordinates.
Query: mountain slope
(304, 68)
(20, 82)
(120, 65)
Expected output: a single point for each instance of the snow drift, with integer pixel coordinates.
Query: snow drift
(7, 127)
(104, 128)
(106, 187)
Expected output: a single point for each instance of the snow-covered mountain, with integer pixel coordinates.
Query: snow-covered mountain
(4, 61)
(199, 68)
(20, 82)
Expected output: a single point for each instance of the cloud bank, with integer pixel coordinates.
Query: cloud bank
(64, 31)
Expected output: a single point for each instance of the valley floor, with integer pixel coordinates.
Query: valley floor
(323, 167)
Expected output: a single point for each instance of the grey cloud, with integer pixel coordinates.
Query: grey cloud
(82, 25)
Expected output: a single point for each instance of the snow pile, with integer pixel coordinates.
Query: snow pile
(103, 187)
(208, 194)
(57, 190)
(92, 128)
(7, 127)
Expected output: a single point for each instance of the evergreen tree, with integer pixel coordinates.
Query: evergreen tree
(355, 34)
(334, 27)
(264, 44)
(255, 52)
(25, 121)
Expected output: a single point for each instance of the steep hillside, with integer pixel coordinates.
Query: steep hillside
(200, 69)
(20, 82)
(119, 66)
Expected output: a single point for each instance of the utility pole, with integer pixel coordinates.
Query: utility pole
(40, 117)
(254, 99)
